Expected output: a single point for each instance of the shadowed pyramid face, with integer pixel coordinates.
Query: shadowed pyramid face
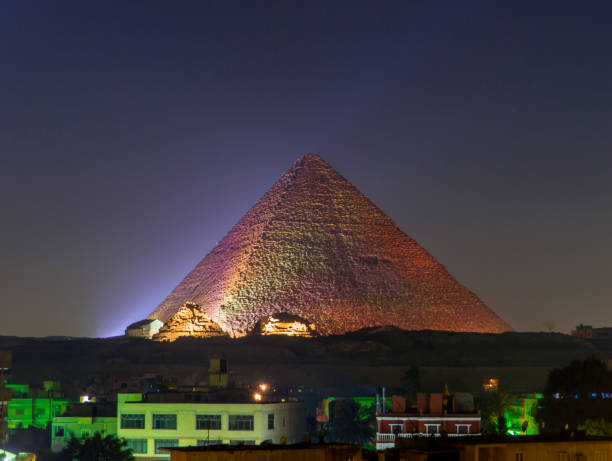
(316, 247)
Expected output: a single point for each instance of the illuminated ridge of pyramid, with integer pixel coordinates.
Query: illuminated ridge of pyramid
(316, 247)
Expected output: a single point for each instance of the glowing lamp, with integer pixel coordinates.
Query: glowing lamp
(257, 396)
(263, 387)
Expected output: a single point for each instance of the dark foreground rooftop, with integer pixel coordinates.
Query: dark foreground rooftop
(265, 446)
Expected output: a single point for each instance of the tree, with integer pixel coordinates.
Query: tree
(349, 422)
(97, 448)
(411, 384)
(492, 406)
(575, 394)
(597, 427)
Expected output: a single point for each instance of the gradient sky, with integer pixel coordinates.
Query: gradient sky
(134, 134)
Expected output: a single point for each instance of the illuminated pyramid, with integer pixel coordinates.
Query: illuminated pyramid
(315, 247)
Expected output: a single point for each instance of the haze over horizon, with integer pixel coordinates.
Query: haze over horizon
(135, 135)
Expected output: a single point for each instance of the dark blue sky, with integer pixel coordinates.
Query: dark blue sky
(133, 135)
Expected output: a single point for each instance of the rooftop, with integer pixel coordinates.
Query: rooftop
(237, 396)
(440, 442)
(92, 410)
(264, 447)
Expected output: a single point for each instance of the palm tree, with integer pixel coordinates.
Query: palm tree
(98, 448)
(350, 422)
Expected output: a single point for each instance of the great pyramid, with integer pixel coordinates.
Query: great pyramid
(314, 246)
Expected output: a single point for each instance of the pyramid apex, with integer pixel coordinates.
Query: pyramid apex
(310, 158)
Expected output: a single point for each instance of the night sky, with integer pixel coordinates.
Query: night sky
(134, 134)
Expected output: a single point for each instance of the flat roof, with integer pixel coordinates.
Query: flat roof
(438, 442)
(262, 447)
(227, 397)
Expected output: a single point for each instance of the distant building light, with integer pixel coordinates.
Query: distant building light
(263, 387)
(257, 396)
(492, 385)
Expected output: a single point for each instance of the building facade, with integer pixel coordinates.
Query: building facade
(148, 426)
(301, 452)
(6, 364)
(35, 407)
(436, 414)
(529, 448)
(520, 414)
(144, 328)
(83, 420)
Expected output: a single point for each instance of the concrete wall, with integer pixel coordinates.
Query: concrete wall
(539, 451)
(323, 453)
(79, 426)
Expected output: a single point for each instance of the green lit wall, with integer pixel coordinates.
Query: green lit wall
(26, 412)
(520, 411)
(364, 402)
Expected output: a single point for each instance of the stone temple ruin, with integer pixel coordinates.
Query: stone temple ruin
(316, 249)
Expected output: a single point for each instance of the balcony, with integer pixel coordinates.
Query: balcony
(387, 440)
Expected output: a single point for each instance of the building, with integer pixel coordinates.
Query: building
(144, 328)
(588, 332)
(6, 455)
(6, 364)
(83, 420)
(529, 448)
(35, 407)
(520, 415)
(217, 373)
(302, 452)
(435, 415)
(153, 421)
(368, 403)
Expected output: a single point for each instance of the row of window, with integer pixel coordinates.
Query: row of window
(139, 446)
(432, 428)
(21, 411)
(202, 422)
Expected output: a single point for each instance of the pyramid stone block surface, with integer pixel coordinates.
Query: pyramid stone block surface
(316, 247)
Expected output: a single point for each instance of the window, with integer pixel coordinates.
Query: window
(242, 442)
(240, 422)
(283, 421)
(59, 431)
(138, 446)
(164, 443)
(563, 456)
(518, 456)
(463, 428)
(270, 421)
(84, 434)
(399, 428)
(132, 421)
(205, 443)
(164, 421)
(433, 429)
(19, 411)
(212, 422)
(40, 412)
